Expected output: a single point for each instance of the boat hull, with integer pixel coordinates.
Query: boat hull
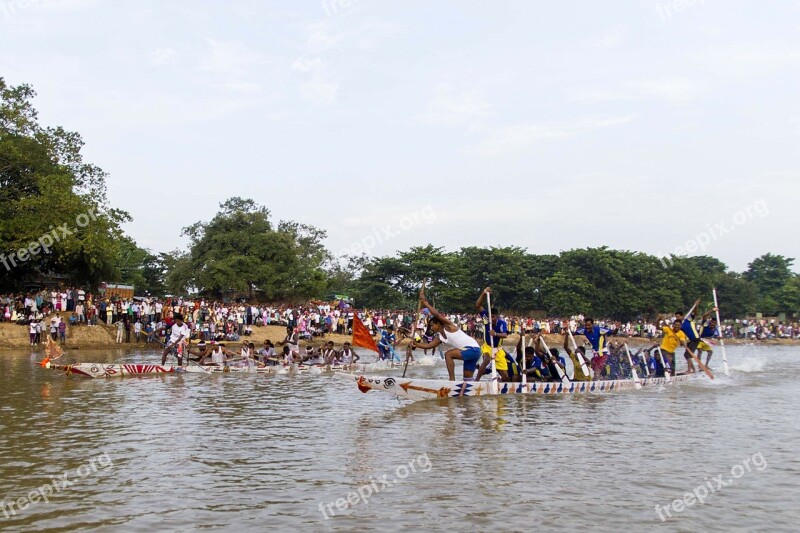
(99, 370)
(430, 389)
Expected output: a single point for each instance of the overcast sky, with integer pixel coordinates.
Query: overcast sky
(642, 125)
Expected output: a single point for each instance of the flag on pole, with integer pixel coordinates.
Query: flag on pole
(361, 335)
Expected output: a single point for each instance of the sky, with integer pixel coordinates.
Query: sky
(666, 127)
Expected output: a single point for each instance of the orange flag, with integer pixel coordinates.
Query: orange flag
(361, 335)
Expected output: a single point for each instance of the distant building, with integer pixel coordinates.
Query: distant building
(110, 290)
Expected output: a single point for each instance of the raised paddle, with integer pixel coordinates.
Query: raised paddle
(581, 360)
(634, 374)
(562, 375)
(414, 326)
(495, 378)
(721, 338)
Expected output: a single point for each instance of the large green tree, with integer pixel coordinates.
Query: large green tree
(50, 196)
(240, 250)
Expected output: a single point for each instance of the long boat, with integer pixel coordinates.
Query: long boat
(102, 370)
(431, 389)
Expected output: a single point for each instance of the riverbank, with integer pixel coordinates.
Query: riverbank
(15, 337)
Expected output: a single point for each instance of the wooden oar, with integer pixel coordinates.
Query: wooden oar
(562, 375)
(721, 337)
(524, 362)
(667, 370)
(581, 360)
(634, 374)
(414, 327)
(700, 364)
(495, 379)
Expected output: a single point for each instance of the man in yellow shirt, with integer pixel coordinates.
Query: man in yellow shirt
(673, 337)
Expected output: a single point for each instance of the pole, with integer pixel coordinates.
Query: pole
(721, 337)
(524, 362)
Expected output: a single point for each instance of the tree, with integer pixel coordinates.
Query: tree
(770, 273)
(50, 196)
(239, 250)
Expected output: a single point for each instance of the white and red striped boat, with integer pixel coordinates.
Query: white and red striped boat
(101, 370)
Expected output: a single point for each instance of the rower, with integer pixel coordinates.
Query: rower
(313, 358)
(201, 351)
(578, 374)
(387, 343)
(329, 354)
(493, 335)
(179, 334)
(594, 334)
(220, 354)
(533, 363)
(267, 353)
(673, 337)
(348, 356)
(292, 341)
(462, 346)
(689, 328)
(710, 331)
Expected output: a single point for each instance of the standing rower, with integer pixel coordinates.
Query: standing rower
(180, 334)
(462, 346)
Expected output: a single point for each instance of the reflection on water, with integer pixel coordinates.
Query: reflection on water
(246, 452)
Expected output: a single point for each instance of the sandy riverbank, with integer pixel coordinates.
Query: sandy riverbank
(14, 337)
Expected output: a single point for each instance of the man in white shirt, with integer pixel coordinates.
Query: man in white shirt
(179, 336)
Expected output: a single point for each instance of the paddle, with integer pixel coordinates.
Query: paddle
(562, 375)
(721, 337)
(581, 360)
(495, 379)
(700, 364)
(667, 369)
(634, 374)
(414, 326)
(524, 362)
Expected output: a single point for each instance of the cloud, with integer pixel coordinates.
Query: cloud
(514, 138)
(456, 109)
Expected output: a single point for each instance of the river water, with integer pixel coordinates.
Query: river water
(244, 452)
